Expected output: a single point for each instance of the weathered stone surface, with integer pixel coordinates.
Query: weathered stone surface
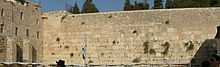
(19, 25)
(119, 37)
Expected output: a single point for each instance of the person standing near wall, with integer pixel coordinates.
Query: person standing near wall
(61, 63)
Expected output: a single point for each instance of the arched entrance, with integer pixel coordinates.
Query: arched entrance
(19, 54)
(34, 56)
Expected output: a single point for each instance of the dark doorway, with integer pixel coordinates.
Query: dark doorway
(34, 56)
(19, 54)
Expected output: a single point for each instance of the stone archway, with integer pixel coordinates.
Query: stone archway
(34, 55)
(19, 53)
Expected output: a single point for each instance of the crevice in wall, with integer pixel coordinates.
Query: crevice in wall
(71, 55)
(58, 39)
(134, 32)
(73, 16)
(52, 53)
(102, 54)
(110, 16)
(114, 42)
(167, 22)
(82, 23)
(66, 47)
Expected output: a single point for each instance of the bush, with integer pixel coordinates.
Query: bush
(166, 45)
(136, 60)
(152, 51)
(189, 46)
(146, 47)
(21, 1)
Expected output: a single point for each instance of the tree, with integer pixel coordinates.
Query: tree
(128, 6)
(158, 4)
(214, 3)
(169, 4)
(139, 6)
(89, 7)
(191, 3)
(74, 9)
(146, 5)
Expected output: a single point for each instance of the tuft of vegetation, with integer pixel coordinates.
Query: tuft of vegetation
(90, 61)
(166, 45)
(21, 1)
(146, 47)
(136, 60)
(63, 17)
(189, 46)
(152, 51)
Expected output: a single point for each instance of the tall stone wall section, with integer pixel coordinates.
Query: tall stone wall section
(20, 26)
(166, 36)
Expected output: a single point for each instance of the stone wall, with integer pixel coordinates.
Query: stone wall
(19, 27)
(166, 36)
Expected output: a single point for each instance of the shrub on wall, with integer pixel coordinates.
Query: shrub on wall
(21, 1)
(189, 45)
(146, 47)
(166, 45)
(152, 51)
(136, 60)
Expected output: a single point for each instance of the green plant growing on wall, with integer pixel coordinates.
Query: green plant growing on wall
(63, 17)
(90, 61)
(21, 1)
(189, 46)
(166, 45)
(152, 51)
(146, 47)
(136, 60)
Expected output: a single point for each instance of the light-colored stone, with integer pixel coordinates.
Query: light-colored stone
(27, 19)
(118, 37)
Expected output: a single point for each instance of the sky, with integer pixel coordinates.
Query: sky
(102, 5)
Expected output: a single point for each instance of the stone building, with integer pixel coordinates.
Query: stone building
(147, 37)
(20, 26)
